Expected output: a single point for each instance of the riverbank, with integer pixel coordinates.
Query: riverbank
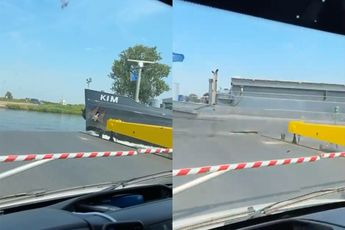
(45, 108)
(4, 104)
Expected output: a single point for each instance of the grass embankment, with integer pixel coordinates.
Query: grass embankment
(12, 100)
(47, 108)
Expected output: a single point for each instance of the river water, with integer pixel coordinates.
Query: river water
(18, 120)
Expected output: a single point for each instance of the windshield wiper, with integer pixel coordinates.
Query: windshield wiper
(295, 200)
(124, 183)
(35, 193)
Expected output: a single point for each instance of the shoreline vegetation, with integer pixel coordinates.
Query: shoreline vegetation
(44, 107)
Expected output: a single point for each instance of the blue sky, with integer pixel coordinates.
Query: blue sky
(48, 53)
(244, 46)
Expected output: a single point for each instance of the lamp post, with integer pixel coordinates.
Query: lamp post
(88, 81)
(213, 87)
(141, 65)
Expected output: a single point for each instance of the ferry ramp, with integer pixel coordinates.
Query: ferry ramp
(59, 174)
(213, 137)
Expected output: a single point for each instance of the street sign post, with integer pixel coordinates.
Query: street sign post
(141, 65)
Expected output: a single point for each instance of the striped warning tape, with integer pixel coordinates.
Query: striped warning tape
(79, 155)
(332, 155)
(154, 150)
(238, 166)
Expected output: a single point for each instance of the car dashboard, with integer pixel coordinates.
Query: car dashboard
(143, 207)
(321, 217)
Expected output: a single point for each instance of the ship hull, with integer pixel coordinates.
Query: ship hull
(101, 106)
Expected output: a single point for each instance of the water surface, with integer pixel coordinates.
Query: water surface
(18, 120)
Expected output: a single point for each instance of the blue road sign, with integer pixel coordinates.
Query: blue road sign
(133, 75)
(178, 57)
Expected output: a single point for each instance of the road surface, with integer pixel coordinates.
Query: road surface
(212, 138)
(59, 174)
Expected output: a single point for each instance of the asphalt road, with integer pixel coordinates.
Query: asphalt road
(212, 138)
(58, 174)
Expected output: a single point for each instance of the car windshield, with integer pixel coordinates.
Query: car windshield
(242, 82)
(66, 69)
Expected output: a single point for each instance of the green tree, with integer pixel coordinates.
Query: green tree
(193, 98)
(152, 76)
(9, 95)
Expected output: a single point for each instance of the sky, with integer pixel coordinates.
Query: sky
(47, 52)
(249, 47)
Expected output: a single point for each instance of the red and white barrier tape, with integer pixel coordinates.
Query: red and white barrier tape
(78, 155)
(154, 150)
(332, 155)
(238, 166)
